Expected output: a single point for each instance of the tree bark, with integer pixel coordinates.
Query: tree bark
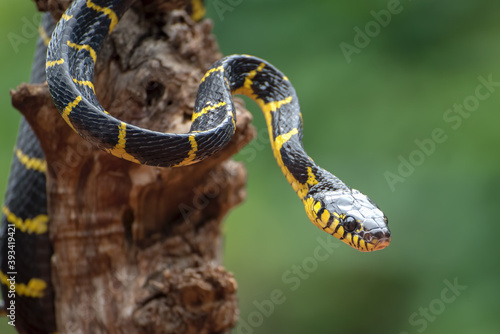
(137, 249)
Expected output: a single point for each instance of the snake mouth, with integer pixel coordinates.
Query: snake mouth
(382, 243)
(379, 239)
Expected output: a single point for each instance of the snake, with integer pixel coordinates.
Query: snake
(341, 211)
(25, 247)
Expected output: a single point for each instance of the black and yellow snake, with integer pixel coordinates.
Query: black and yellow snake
(345, 213)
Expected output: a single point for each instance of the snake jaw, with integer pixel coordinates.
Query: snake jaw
(382, 243)
(376, 234)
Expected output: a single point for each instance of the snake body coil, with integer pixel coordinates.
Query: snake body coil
(24, 239)
(331, 205)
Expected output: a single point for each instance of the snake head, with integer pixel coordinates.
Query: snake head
(350, 216)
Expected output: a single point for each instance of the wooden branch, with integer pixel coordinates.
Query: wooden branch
(137, 249)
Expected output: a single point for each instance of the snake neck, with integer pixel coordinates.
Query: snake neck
(277, 98)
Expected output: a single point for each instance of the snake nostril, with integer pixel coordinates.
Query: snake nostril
(368, 237)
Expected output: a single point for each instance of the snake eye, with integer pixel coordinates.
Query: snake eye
(350, 224)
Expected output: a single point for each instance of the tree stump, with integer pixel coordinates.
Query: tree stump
(137, 249)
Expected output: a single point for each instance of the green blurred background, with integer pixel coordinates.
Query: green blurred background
(361, 118)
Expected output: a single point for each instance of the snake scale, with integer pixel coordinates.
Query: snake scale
(330, 204)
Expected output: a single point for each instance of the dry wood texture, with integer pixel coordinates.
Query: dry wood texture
(137, 249)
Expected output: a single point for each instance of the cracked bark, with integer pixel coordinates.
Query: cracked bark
(137, 249)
